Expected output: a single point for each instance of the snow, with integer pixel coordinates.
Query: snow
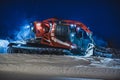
(24, 33)
(90, 49)
(60, 66)
(3, 46)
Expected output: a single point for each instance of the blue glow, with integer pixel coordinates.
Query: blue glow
(25, 33)
(3, 43)
(32, 28)
(72, 26)
(78, 28)
(3, 46)
(19, 45)
(72, 34)
(27, 26)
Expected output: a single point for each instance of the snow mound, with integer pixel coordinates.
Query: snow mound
(3, 46)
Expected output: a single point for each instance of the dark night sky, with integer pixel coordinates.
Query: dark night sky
(102, 16)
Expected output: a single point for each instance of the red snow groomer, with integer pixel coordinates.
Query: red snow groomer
(53, 36)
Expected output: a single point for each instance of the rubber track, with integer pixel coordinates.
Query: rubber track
(36, 50)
